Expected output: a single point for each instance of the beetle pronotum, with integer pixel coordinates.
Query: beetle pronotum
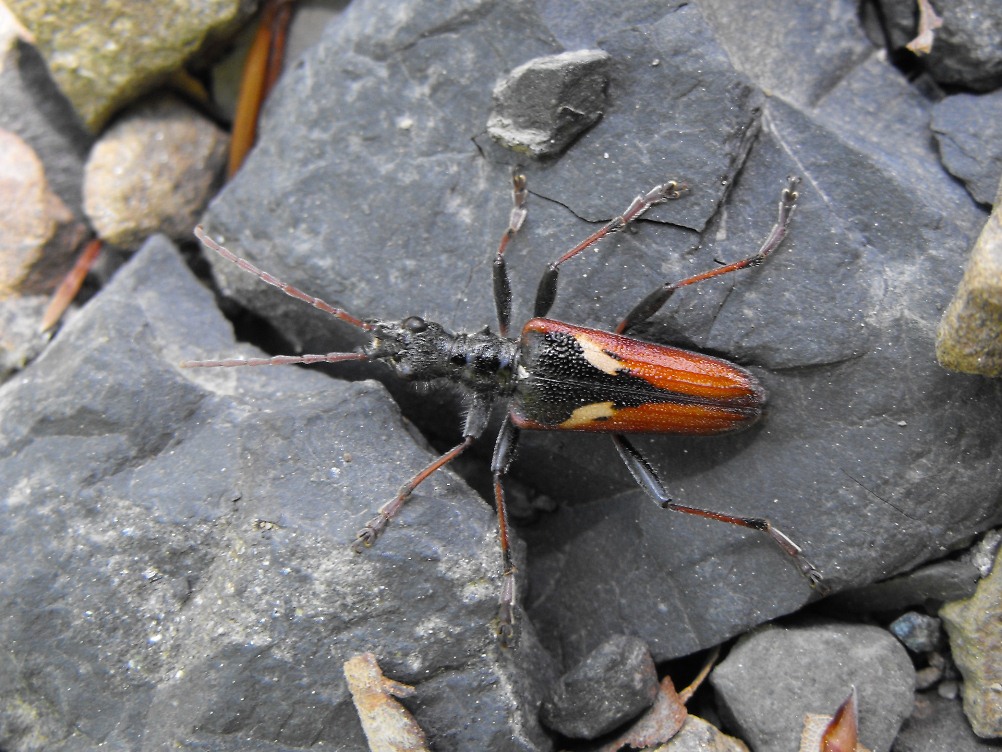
(560, 377)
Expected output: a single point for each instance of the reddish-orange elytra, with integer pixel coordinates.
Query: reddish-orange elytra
(560, 377)
(579, 379)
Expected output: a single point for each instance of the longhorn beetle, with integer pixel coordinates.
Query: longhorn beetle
(560, 377)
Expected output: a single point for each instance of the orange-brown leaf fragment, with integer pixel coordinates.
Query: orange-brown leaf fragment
(842, 734)
(659, 724)
(387, 725)
(837, 733)
(261, 70)
(70, 285)
(928, 23)
(711, 660)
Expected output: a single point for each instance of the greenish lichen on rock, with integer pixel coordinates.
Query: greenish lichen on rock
(103, 54)
(970, 333)
(976, 643)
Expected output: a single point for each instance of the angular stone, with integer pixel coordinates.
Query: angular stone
(965, 50)
(934, 583)
(546, 103)
(20, 340)
(937, 724)
(765, 37)
(968, 130)
(920, 633)
(615, 683)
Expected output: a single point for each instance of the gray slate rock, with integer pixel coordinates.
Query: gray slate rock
(937, 724)
(965, 50)
(616, 682)
(21, 342)
(776, 675)
(930, 585)
(861, 457)
(797, 52)
(968, 130)
(174, 560)
(32, 107)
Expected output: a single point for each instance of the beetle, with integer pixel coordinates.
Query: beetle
(557, 376)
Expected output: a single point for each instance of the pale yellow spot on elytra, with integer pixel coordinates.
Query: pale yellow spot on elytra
(589, 414)
(595, 355)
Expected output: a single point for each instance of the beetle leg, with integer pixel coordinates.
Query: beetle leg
(644, 474)
(653, 302)
(476, 421)
(546, 293)
(502, 286)
(504, 453)
(374, 527)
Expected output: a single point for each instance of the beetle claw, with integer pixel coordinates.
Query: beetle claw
(814, 577)
(506, 626)
(368, 534)
(363, 540)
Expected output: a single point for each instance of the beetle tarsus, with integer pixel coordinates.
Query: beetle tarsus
(790, 194)
(506, 610)
(807, 568)
(812, 574)
(502, 287)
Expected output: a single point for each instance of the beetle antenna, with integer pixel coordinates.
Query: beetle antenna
(277, 360)
(285, 287)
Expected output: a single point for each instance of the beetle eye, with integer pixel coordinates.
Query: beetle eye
(414, 324)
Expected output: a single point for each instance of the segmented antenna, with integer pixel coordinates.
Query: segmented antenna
(291, 291)
(278, 360)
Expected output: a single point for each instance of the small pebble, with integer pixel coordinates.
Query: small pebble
(920, 633)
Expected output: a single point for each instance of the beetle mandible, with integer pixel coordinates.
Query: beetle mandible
(560, 377)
